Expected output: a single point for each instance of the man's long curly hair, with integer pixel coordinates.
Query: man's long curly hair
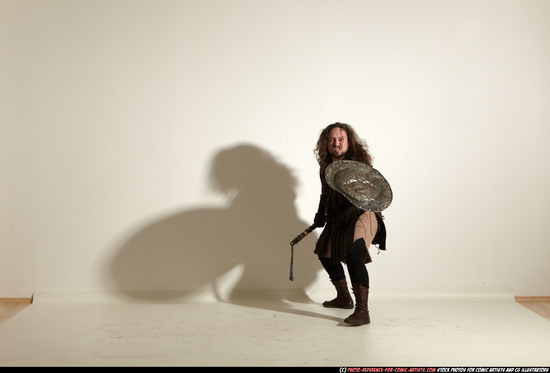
(357, 148)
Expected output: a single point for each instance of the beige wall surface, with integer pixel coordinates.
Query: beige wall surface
(168, 145)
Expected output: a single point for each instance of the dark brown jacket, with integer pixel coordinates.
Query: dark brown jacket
(338, 217)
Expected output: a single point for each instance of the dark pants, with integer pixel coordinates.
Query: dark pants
(356, 265)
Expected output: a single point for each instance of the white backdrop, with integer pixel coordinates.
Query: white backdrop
(168, 145)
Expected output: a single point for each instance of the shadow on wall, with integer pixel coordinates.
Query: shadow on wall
(191, 249)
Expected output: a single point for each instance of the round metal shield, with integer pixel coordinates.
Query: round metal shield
(362, 185)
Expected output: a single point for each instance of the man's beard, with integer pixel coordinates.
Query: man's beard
(338, 155)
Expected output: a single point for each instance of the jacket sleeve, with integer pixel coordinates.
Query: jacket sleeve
(320, 216)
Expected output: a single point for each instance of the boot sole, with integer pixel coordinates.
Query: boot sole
(356, 324)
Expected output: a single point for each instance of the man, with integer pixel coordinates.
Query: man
(349, 231)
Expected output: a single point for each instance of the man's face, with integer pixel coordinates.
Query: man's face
(337, 143)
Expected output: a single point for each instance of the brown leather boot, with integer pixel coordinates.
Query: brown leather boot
(343, 298)
(361, 314)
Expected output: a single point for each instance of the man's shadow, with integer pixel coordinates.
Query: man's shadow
(194, 249)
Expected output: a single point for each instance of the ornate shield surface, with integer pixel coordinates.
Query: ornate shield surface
(362, 185)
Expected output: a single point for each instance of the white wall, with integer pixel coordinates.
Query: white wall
(168, 145)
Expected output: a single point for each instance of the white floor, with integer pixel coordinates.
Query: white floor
(255, 330)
